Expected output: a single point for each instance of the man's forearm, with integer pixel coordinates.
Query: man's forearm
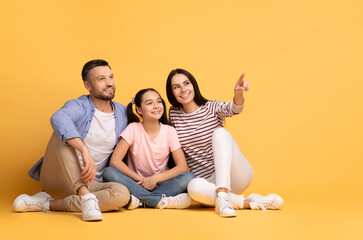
(78, 144)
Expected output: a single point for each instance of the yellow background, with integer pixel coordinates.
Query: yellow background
(301, 128)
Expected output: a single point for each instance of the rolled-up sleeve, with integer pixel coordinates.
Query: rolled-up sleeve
(224, 109)
(64, 120)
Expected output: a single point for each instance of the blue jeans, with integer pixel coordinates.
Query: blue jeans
(151, 198)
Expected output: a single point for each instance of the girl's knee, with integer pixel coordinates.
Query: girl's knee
(183, 180)
(109, 174)
(187, 176)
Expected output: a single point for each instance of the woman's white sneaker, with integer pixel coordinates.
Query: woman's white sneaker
(36, 203)
(271, 201)
(224, 207)
(90, 209)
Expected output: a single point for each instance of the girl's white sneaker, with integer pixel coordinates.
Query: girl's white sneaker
(179, 201)
(135, 203)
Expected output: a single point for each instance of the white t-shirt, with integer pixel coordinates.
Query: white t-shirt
(100, 140)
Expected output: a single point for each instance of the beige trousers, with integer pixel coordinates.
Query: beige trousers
(60, 177)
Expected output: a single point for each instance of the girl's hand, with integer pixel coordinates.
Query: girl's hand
(149, 183)
(241, 86)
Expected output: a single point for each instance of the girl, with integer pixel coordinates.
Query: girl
(212, 155)
(149, 144)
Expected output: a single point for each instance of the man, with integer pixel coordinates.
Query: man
(86, 131)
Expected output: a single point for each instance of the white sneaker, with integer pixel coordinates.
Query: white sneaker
(135, 203)
(224, 207)
(36, 203)
(179, 201)
(271, 201)
(90, 209)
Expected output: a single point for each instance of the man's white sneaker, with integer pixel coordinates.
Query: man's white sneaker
(36, 203)
(271, 201)
(135, 203)
(90, 209)
(224, 207)
(179, 201)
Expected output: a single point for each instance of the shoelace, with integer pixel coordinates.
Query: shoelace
(33, 205)
(91, 203)
(264, 205)
(261, 206)
(226, 204)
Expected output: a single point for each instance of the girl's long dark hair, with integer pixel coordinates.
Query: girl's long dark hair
(198, 97)
(132, 117)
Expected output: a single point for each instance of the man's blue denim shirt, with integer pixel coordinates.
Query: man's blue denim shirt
(74, 120)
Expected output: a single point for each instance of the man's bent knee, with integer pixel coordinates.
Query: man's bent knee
(119, 197)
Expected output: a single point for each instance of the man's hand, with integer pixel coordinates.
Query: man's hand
(89, 171)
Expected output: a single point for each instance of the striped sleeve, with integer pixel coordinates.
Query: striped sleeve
(223, 109)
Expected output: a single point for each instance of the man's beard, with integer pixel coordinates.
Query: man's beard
(102, 96)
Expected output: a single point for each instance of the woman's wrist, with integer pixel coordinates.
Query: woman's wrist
(238, 100)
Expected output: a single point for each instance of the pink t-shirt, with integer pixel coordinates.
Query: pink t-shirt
(148, 156)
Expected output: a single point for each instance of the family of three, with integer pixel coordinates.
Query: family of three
(101, 157)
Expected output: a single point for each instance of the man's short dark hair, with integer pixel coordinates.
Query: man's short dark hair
(92, 64)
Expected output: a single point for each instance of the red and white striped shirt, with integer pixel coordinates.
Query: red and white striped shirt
(195, 132)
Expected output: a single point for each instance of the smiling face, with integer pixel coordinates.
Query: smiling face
(151, 106)
(100, 83)
(183, 89)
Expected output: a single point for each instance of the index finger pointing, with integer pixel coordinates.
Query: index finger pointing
(241, 77)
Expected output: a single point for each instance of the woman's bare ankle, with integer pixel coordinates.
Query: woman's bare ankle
(246, 203)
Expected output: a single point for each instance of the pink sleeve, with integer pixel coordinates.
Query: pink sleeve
(128, 133)
(174, 143)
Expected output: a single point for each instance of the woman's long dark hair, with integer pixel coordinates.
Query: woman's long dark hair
(198, 97)
(132, 117)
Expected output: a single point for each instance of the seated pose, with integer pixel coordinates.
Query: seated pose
(85, 134)
(149, 144)
(212, 155)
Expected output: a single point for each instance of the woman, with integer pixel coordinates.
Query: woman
(149, 144)
(222, 171)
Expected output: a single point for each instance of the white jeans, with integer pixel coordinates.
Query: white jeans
(232, 171)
